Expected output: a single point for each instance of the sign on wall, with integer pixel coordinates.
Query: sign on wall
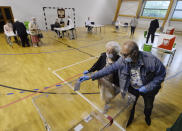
(61, 13)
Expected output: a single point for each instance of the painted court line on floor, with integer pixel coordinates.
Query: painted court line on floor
(23, 98)
(80, 94)
(92, 104)
(75, 64)
(32, 94)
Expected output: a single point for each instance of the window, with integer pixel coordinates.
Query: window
(178, 11)
(155, 8)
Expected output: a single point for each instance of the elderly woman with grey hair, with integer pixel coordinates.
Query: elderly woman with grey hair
(34, 31)
(108, 84)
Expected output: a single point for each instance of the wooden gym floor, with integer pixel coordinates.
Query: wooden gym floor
(59, 60)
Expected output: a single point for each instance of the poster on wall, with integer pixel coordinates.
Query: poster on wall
(61, 13)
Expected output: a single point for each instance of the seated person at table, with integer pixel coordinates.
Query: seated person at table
(57, 25)
(88, 24)
(70, 25)
(8, 28)
(20, 29)
(62, 24)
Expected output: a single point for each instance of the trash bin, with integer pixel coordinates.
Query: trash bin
(147, 47)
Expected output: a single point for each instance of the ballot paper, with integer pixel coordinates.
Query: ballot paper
(77, 85)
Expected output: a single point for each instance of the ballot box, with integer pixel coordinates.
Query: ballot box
(170, 30)
(63, 109)
(166, 41)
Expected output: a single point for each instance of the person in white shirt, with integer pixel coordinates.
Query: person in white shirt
(133, 25)
(70, 23)
(8, 29)
(88, 24)
(117, 23)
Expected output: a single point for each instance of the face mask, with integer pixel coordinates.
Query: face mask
(128, 59)
(109, 55)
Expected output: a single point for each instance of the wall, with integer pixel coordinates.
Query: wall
(100, 11)
(129, 7)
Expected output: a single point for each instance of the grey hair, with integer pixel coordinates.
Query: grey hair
(115, 45)
(33, 18)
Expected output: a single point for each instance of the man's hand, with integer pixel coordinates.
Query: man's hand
(142, 89)
(84, 78)
(85, 72)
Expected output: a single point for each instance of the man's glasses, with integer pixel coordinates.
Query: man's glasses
(125, 55)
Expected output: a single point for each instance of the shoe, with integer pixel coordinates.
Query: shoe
(148, 121)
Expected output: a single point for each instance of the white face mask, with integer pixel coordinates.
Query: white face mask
(128, 59)
(109, 55)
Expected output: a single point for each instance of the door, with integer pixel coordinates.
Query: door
(5, 15)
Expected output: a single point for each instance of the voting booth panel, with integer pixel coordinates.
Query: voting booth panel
(166, 41)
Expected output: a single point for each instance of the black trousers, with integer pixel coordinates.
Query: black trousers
(132, 30)
(72, 33)
(16, 40)
(148, 101)
(24, 40)
(152, 37)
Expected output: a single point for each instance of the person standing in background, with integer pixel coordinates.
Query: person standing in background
(33, 27)
(133, 25)
(20, 29)
(154, 24)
